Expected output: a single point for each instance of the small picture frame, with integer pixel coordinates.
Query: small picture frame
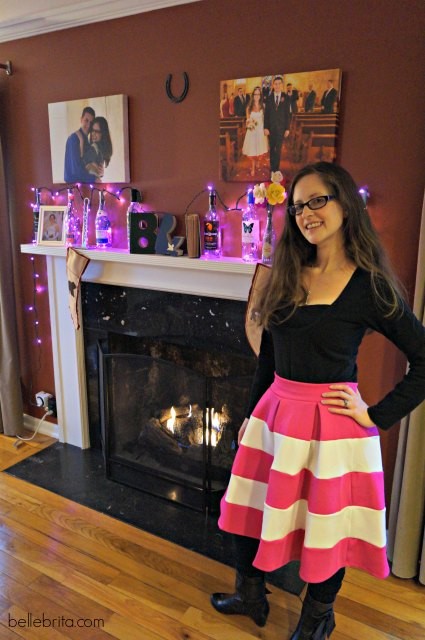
(51, 225)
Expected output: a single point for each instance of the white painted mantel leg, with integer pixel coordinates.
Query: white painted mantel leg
(68, 360)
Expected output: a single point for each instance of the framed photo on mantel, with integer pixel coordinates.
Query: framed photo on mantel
(89, 140)
(51, 225)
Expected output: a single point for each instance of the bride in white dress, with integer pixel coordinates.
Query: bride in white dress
(255, 143)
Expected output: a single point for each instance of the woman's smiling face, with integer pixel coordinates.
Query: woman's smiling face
(96, 133)
(321, 225)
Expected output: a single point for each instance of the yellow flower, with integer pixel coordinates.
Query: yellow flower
(275, 193)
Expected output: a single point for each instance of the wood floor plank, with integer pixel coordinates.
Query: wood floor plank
(68, 556)
(10, 619)
(41, 558)
(140, 612)
(10, 455)
(56, 615)
(218, 629)
(386, 604)
(401, 590)
(124, 629)
(79, 605)
(378, 620)
(17, 569)
(6, 633)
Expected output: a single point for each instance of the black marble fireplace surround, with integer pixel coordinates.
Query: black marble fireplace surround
(158, 353)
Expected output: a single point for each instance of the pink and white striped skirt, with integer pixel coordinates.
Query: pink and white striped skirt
(308, 484)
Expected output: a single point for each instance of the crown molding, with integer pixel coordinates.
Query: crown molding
(27, 18)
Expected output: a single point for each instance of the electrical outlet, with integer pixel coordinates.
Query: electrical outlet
(52, 406)
(42, 399)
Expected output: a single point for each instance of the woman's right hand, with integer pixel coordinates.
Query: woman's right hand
(242, 430)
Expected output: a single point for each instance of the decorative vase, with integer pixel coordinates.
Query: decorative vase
(269, 238)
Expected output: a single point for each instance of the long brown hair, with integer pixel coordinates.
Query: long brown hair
(105, 144)
(362, 246)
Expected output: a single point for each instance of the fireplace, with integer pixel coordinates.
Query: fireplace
(227, 279)
(168, 383)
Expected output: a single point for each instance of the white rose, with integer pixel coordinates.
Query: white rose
(276, 176)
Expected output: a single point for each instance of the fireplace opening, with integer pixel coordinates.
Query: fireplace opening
(168, 380)
(170, 417)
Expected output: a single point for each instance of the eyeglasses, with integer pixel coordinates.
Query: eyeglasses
(315, 203)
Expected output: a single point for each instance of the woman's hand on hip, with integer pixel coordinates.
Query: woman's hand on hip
(343, 400)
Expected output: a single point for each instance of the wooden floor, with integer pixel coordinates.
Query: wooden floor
(85, 575)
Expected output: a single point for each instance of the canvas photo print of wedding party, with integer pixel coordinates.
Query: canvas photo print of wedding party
(89, 140)
(277, 122)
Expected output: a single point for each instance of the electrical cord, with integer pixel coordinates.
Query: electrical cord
(225, 207)
(19, 439)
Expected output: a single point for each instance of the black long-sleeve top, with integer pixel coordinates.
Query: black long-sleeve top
(320, 343)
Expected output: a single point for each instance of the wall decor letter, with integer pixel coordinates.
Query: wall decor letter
(143, 230)
(165, 243)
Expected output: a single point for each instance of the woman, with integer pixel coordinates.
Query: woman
(255, 144)
(53, 230)
(307, 479)
(225, 104)
(98, 156)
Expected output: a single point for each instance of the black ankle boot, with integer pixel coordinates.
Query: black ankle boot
(317, 621)
(249, 599)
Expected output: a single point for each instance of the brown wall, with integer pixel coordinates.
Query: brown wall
(378, 45)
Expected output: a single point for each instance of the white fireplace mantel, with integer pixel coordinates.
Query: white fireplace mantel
(225, 278)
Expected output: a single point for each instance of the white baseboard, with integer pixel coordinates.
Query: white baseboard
(46, 428)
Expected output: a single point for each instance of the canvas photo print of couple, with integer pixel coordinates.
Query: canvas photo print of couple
(89, 140)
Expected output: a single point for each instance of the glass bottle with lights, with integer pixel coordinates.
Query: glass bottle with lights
(269, 238)
(73, 223)
(85, 229)
(212, 231)
(250, 231)
(103, 225)
(134, 207)
(36, 215)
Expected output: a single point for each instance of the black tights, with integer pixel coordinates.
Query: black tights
(245, 552)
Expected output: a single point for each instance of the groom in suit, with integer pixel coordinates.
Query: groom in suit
(277, 118)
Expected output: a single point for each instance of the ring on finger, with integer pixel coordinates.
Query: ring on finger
(345, 401)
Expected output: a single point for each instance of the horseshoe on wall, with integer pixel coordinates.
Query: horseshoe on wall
(183, 94)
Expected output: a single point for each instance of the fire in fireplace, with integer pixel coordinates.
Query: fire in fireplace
(170, 417)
